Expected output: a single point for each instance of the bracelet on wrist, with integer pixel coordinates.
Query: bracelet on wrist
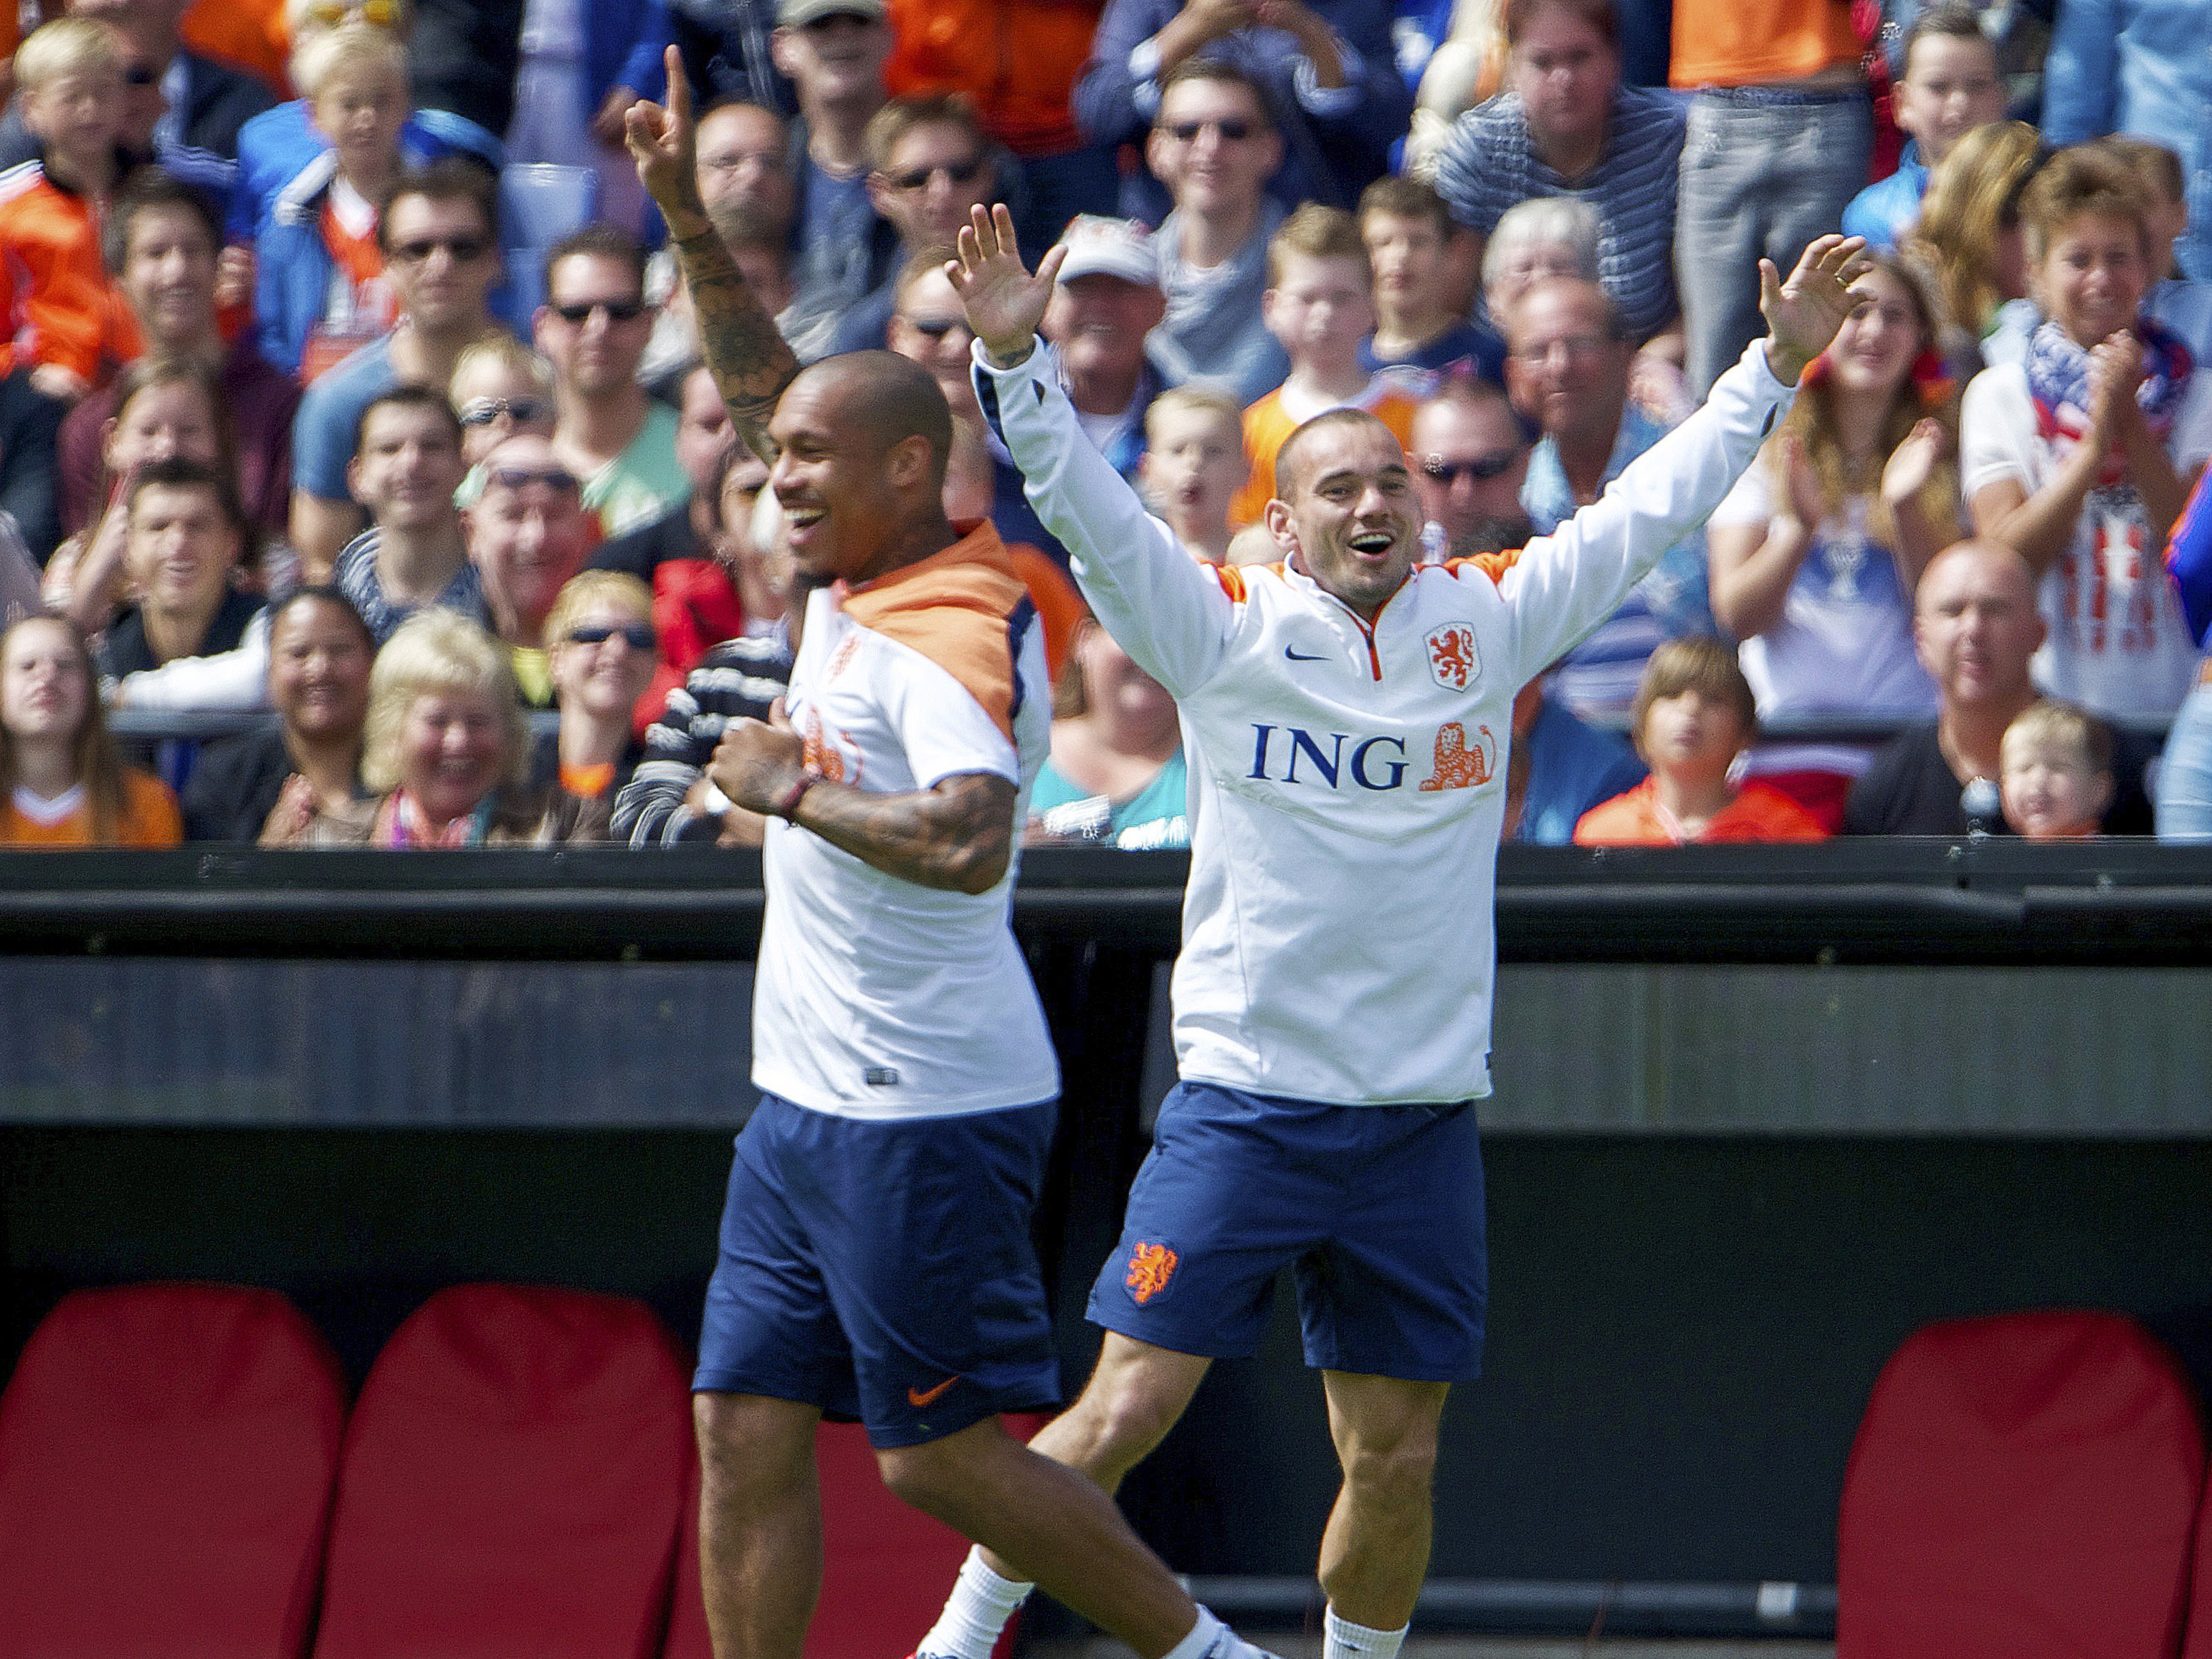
(789, 803)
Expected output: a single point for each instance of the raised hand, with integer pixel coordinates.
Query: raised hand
(1803, 314)
(1808, 500)
(1912, 463)
(664, 144)
(2116, 372)
(1004, 303)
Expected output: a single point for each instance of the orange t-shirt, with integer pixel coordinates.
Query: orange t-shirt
(1760, 812)
(60, 305)
(1267, 424)
(1752, 43)
(149, 818)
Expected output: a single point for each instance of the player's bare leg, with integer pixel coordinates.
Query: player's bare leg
(1375, 1550)
(760, 1523)
(1058, 1528)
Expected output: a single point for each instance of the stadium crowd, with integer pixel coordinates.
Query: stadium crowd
(312, 403)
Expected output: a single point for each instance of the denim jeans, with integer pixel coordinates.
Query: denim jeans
(2184, 775)
(1759, 178)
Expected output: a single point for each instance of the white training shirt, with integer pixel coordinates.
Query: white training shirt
(1346, 783)
(876, 997)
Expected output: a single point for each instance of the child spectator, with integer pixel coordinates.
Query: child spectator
(320, 293)
(2057, 766)
(1419, 256)
(73, 327)
(1193, 467)
(66, 786)
(2182, 305)
(1320, 305)
(1816, 551)
(1951, 86)
(1968, 237)
(2080, 458)
(500, 388)
(1693, 715)
(1115, 776)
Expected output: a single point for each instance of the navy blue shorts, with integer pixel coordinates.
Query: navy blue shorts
(883, 1271)
(1377, 1209)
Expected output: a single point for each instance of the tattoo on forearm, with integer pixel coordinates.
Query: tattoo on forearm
(751, 360)
(958, 835)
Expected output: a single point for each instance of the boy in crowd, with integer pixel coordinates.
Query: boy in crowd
(2182, 305)
(1694, 714)
(1421, 256)
(76, 326)
(1320, 305)
(1951, 86)
(1193, 466)
(2057, 773)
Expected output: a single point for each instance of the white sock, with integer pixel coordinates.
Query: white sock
(1203, 1635)
(977, 1610)
(1342, 1639)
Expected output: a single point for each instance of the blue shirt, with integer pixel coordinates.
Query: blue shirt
(1887, 208)
(328, 425)
(1571, 769)
(1466, 347)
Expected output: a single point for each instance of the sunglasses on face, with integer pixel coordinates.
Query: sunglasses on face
(383, 14)
(520, 477)
(1482, 468)
(936, 327)
(618, 311)
(462, 249)
(959, 173)
(639, 636)
(1233, 130)
(483, 411)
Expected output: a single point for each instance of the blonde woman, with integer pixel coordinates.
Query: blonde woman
(1968, 242)
(603, 649)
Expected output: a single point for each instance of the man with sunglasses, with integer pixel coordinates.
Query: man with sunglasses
(528, 533)
(593, 328)
(1470, 458)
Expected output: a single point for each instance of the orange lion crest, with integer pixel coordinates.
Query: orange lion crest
(1452, 660)
(1151, 1266)
(818, 755)
(1459, 766)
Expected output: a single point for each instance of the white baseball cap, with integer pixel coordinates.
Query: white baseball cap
(1100, 246)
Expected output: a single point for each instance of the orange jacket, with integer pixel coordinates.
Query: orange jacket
(1760, 812)
(55, 292)
(1018, 59)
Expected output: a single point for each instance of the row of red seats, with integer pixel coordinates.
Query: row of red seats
(180, 1476)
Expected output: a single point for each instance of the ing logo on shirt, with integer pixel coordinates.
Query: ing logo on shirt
(1453, 661)
(1151, 1266)
(1457, 765)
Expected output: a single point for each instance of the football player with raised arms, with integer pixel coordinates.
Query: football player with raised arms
(1346, 715)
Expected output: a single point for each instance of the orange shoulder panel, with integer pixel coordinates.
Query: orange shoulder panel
(1492, 565)
(953, 607)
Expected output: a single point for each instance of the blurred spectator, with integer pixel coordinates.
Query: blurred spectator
(439, 231)
(728, 48)
(1195, 466)
(67, 785)
(72, 328)
(500, 386)
(2082, 456)
(1214, 145)
(668, 799)
(1106, 304)
(200, 103)
(1116, 775)
(1969, 238)
(528, 533)
(2057, 762)
(834, 52)
(2019, 30)
(1559, 768)
(1319, 303)
(1566, 126)
(2139, 67)
(1544, 236)
(603, 651)
(1778, 142)
(319, 289)
(185, 531)
(694, 604)
(413, 554)
(2184, 775)
(1420, 258)
(445, 746)
(247, 34)
(163, 238)
(2182, 305)
(466, 55)
(1950, 87)
(592, 330)
(583, 63)
(1569, 372)
(931, 166)
(1693, 716)
(1325, 72)
(1975, 625)
(1816, 551)
(1470, 461)
(266, 785)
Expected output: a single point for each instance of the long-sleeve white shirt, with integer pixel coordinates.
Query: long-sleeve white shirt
(1347, 781)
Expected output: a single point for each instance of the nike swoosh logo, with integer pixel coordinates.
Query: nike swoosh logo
(1300, 656)
(929, 1396)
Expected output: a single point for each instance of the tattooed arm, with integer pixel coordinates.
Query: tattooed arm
(751, 362)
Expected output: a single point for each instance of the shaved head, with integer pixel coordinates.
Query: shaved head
(1993, 560)
(1289, 459)
(887, 397)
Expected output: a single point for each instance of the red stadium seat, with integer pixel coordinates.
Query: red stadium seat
(2197, 1638)
(512, 1483)
(166, 1455)
(886, 1567)
(2022, 1487)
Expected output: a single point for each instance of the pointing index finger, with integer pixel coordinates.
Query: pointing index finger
(679, 88)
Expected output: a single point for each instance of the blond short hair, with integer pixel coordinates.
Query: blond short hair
(68, 46)
(1194, 400)
(1316, 232)
(351, 45)
(497, 348)
(2053, 722)
(433, 651)
(588, 588)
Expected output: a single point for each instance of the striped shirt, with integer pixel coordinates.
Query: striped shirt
(1488, 164)
(738, 678)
